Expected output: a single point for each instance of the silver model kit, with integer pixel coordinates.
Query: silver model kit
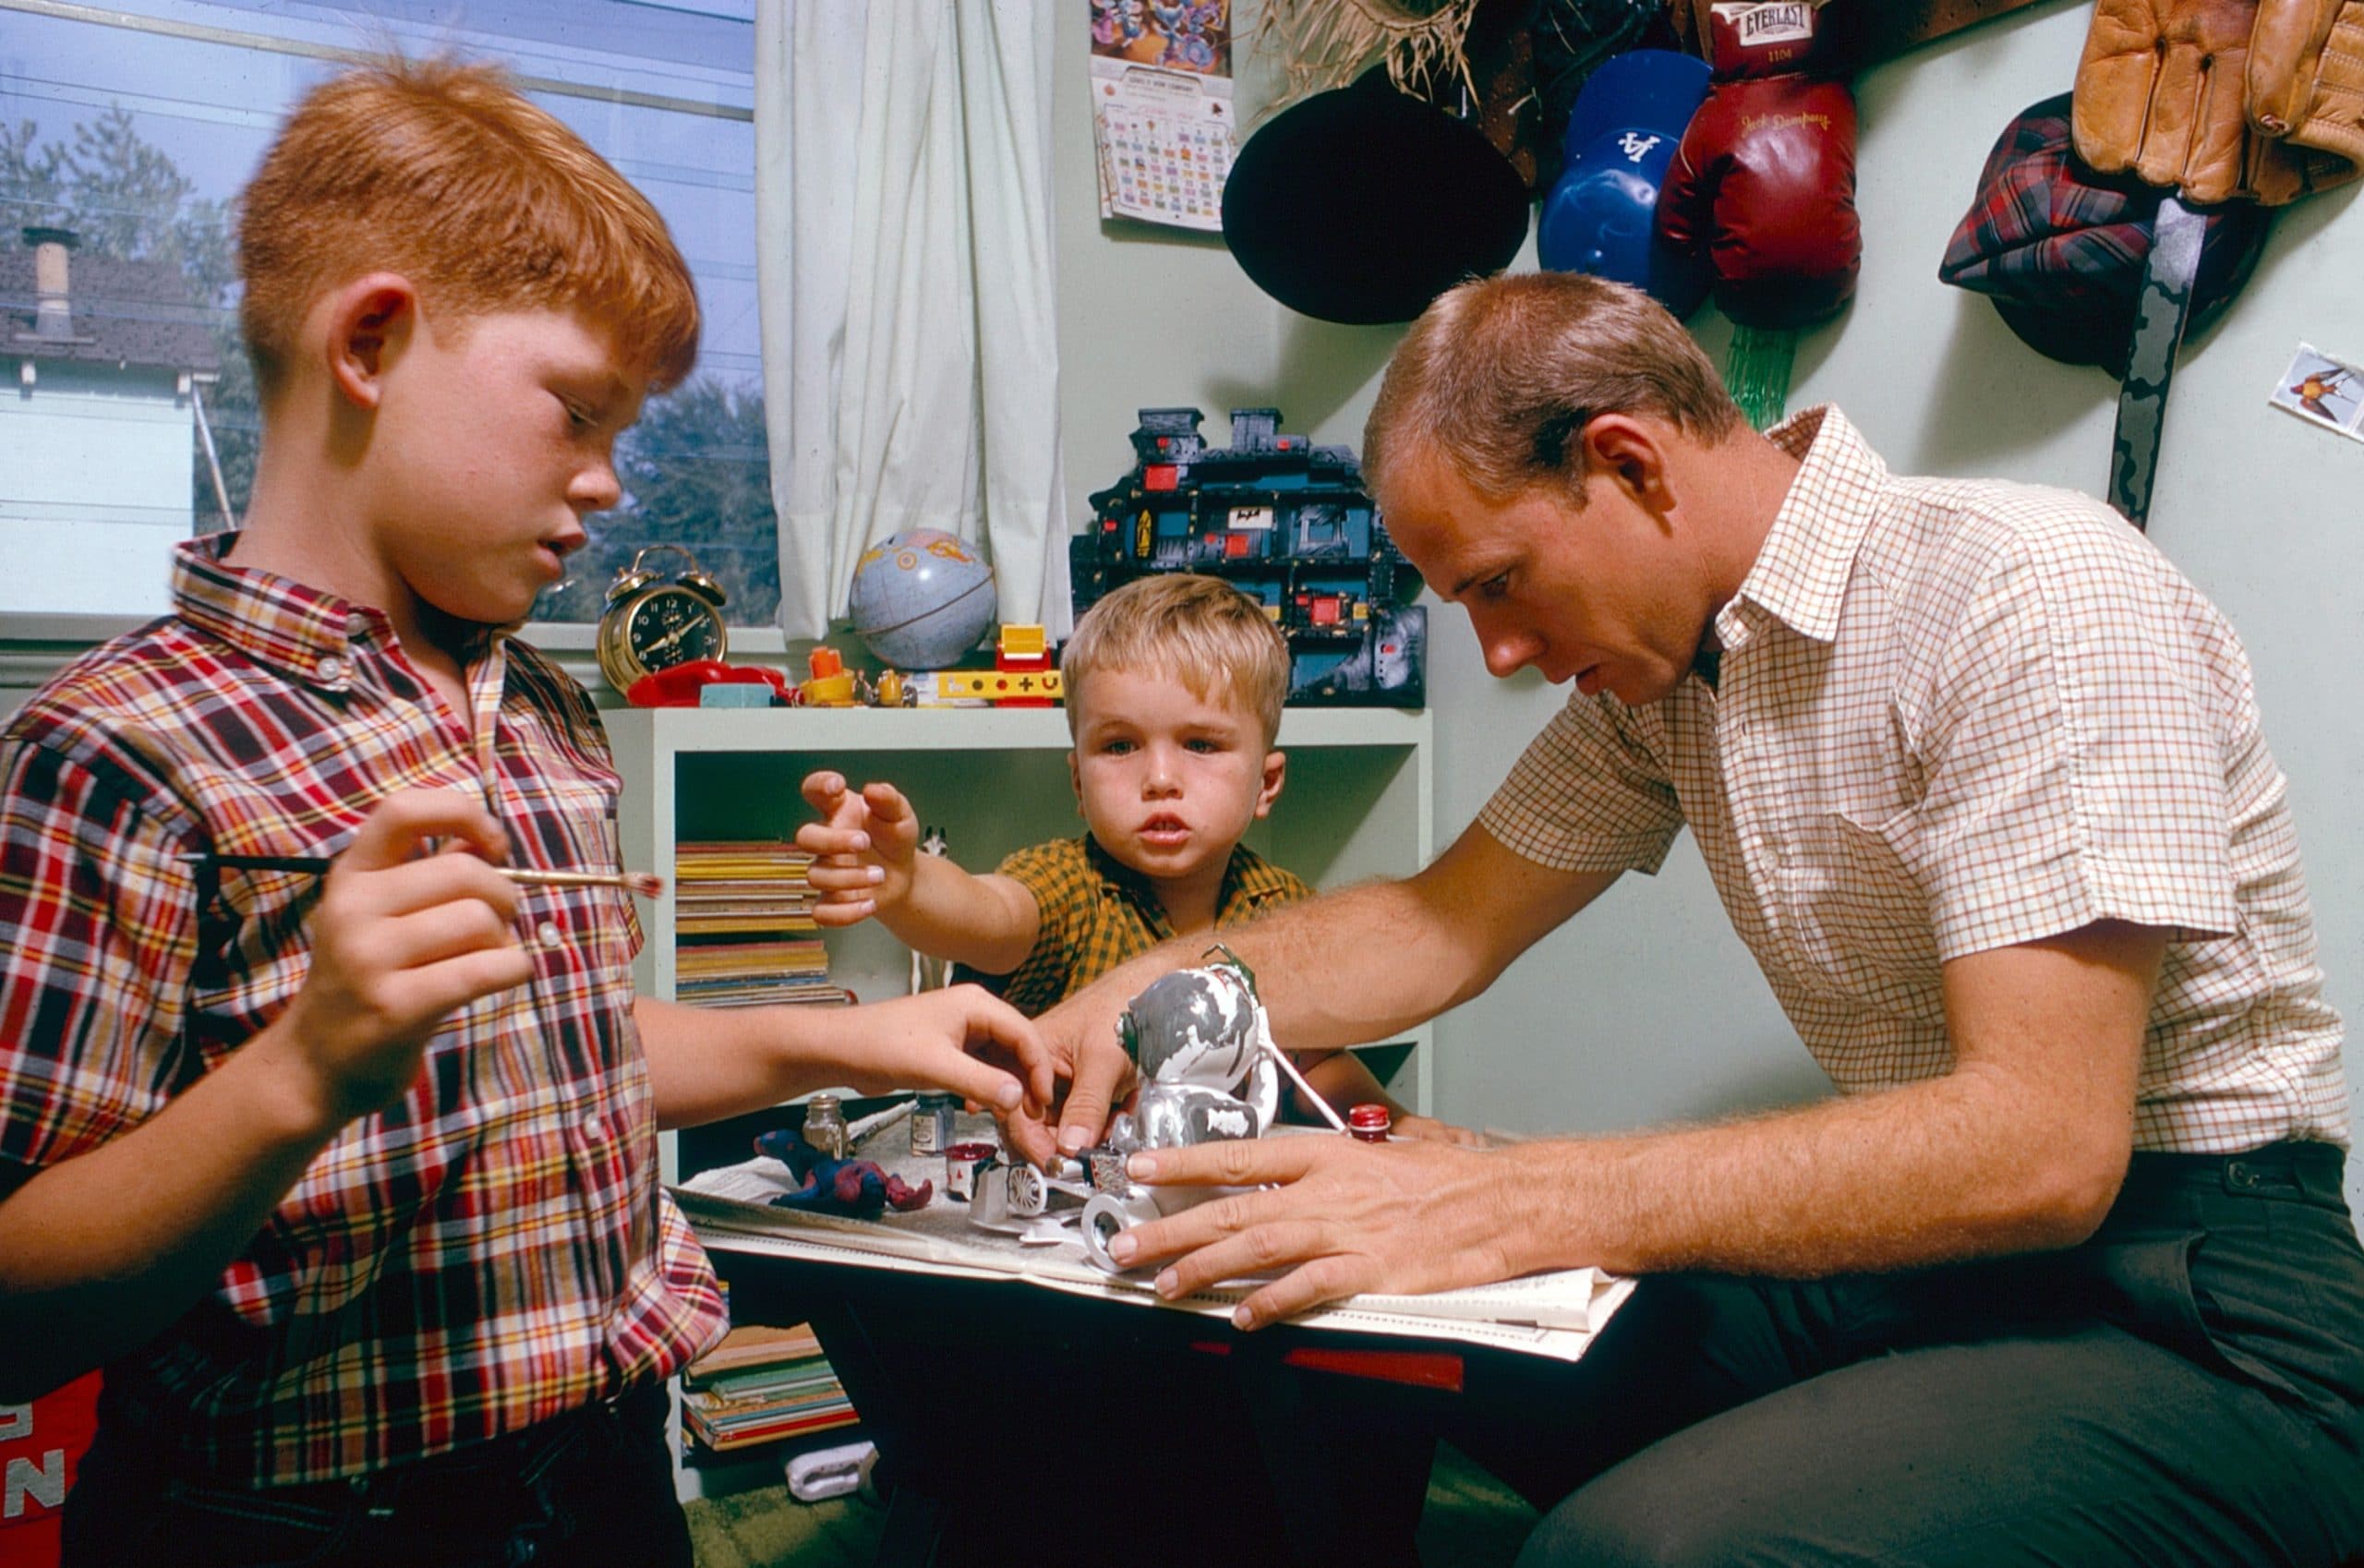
(1210, 1074)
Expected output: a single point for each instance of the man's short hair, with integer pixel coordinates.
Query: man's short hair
(1199, 630)
(1500, 377)
(440, 171)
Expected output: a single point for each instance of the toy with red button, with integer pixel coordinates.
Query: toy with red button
(1326, 609)
(1025, 651)
(1024, 674)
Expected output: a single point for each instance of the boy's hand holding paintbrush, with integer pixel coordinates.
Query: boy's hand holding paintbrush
(400, 941)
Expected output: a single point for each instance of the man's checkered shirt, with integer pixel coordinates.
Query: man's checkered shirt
(1953, 715)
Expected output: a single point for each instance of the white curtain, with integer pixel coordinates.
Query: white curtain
(903, 225)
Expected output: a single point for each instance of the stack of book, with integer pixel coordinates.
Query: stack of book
(759, 1385)
(742, 925)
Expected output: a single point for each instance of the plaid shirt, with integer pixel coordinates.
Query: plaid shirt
(2061, 249)
(490, 1251)
(1097, 913)
(1957, 716)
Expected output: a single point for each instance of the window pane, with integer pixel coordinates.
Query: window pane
(133, 127)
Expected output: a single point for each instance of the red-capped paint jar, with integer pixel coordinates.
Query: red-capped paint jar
(961, 1163)
(1369, 1123)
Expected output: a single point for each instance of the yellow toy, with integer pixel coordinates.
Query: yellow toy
(1024, 674)
(832, 683)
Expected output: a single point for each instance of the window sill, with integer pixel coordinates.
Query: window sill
(34, 648)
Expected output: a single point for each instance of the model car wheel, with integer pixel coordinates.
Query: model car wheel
(1106, 1214)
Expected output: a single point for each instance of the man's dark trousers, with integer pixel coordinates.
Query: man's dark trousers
(2185, 1388)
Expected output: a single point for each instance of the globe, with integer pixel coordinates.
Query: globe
(921, 599)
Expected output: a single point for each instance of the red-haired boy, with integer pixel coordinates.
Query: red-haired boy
(350, 1181)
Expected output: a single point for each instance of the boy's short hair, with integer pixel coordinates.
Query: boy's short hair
(439, 170)
(1201, 631)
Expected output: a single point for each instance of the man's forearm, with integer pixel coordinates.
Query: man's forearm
(1951, 1168)
(1346, 969)
(1331, 972)
(100, 1252)
(1363, 965)
(2021, 1147)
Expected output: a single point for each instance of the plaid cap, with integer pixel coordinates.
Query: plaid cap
(2060, 250)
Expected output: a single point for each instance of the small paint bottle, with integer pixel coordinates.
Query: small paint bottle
(1369, 1123)
(962, 1162)
(825, 1125)
(932, 1124)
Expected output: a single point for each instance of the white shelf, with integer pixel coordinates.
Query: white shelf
(1359, 803)
(680, 729)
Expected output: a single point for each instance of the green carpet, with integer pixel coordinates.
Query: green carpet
(1471, 1521)
(766, 1527)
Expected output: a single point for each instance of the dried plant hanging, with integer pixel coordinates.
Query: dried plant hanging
(1327, 42)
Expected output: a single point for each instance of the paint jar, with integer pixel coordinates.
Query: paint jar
(825, 1125)
(961, 1163)
(1369, 1123)
(932, 1123)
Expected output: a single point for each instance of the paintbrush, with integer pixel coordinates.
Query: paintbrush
(647, 884)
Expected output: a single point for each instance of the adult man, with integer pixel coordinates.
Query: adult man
(1978, 776)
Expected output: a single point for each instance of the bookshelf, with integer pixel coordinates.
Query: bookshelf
(1359, 803)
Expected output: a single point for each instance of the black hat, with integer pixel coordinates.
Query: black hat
(1362, 204)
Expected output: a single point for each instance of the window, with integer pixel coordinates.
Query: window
(129, 415)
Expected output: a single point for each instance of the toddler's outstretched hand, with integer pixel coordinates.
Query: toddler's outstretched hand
(863, 847)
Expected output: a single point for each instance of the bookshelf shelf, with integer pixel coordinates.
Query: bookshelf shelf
(1359, 803)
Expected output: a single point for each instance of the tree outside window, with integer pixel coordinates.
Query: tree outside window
(694, 470)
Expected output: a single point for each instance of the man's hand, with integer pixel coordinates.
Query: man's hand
(1346, 1217)
(400, 941)
(865, 844)
(961, 1038)
(1429, 1129)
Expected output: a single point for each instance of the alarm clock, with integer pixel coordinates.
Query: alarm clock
(653, 622)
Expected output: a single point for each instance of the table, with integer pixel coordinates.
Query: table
(1018, 1423)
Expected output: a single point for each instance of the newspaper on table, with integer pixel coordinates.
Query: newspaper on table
(1554, 1314)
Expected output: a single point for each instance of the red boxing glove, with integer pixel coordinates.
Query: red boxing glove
(1765, 182)
(1761, 38)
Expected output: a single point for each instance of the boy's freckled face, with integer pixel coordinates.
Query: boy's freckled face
(492, 443)
(1168, 780)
